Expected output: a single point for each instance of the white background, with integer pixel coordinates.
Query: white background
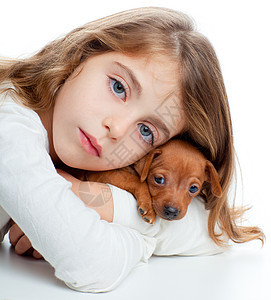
(240, 33)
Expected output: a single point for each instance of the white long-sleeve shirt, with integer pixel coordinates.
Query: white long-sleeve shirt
(87, 253)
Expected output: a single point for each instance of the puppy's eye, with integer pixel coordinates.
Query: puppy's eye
(159, 179)
(193, 189)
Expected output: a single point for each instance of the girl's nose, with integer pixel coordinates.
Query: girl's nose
(116, 127)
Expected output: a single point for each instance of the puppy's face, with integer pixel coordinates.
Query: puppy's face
(175, 176)
(173, 183)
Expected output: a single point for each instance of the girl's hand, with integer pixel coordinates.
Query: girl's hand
(95, 195)
(21, 243)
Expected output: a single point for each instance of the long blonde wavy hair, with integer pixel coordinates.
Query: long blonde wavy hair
(149, 31)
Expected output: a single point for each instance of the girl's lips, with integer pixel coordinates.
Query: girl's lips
(90, 144)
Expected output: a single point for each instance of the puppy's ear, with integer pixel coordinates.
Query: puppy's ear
(212, 178)
(142, 166)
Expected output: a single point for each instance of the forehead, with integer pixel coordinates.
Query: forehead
(180, 162)
(159, 70)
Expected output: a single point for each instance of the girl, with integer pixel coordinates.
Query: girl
(101, 98)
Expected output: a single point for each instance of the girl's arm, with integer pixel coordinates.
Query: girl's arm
(89, 192)
(87, 253)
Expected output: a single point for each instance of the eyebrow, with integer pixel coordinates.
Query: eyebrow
(132, 76)
(154, 119)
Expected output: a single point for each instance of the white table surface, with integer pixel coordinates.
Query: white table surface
(244, 272)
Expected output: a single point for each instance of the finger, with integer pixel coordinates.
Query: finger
(15, 233)
(36, 254)
(29, 252)
(23, 245)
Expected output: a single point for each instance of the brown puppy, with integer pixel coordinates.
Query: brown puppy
(165, 181)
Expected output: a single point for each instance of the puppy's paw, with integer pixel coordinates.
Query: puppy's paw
(147, 214)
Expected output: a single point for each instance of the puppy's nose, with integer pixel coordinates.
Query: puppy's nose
(170, 212)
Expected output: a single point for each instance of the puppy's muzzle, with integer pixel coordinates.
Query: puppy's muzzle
(170, 213)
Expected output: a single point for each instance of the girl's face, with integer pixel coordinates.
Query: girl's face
(114, 109)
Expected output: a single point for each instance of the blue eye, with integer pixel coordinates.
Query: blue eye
(146, 133)
(117, 88)
(159, 180)
(193, 189)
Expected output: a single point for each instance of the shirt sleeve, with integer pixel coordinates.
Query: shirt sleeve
(87, 253)
(186, 237)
